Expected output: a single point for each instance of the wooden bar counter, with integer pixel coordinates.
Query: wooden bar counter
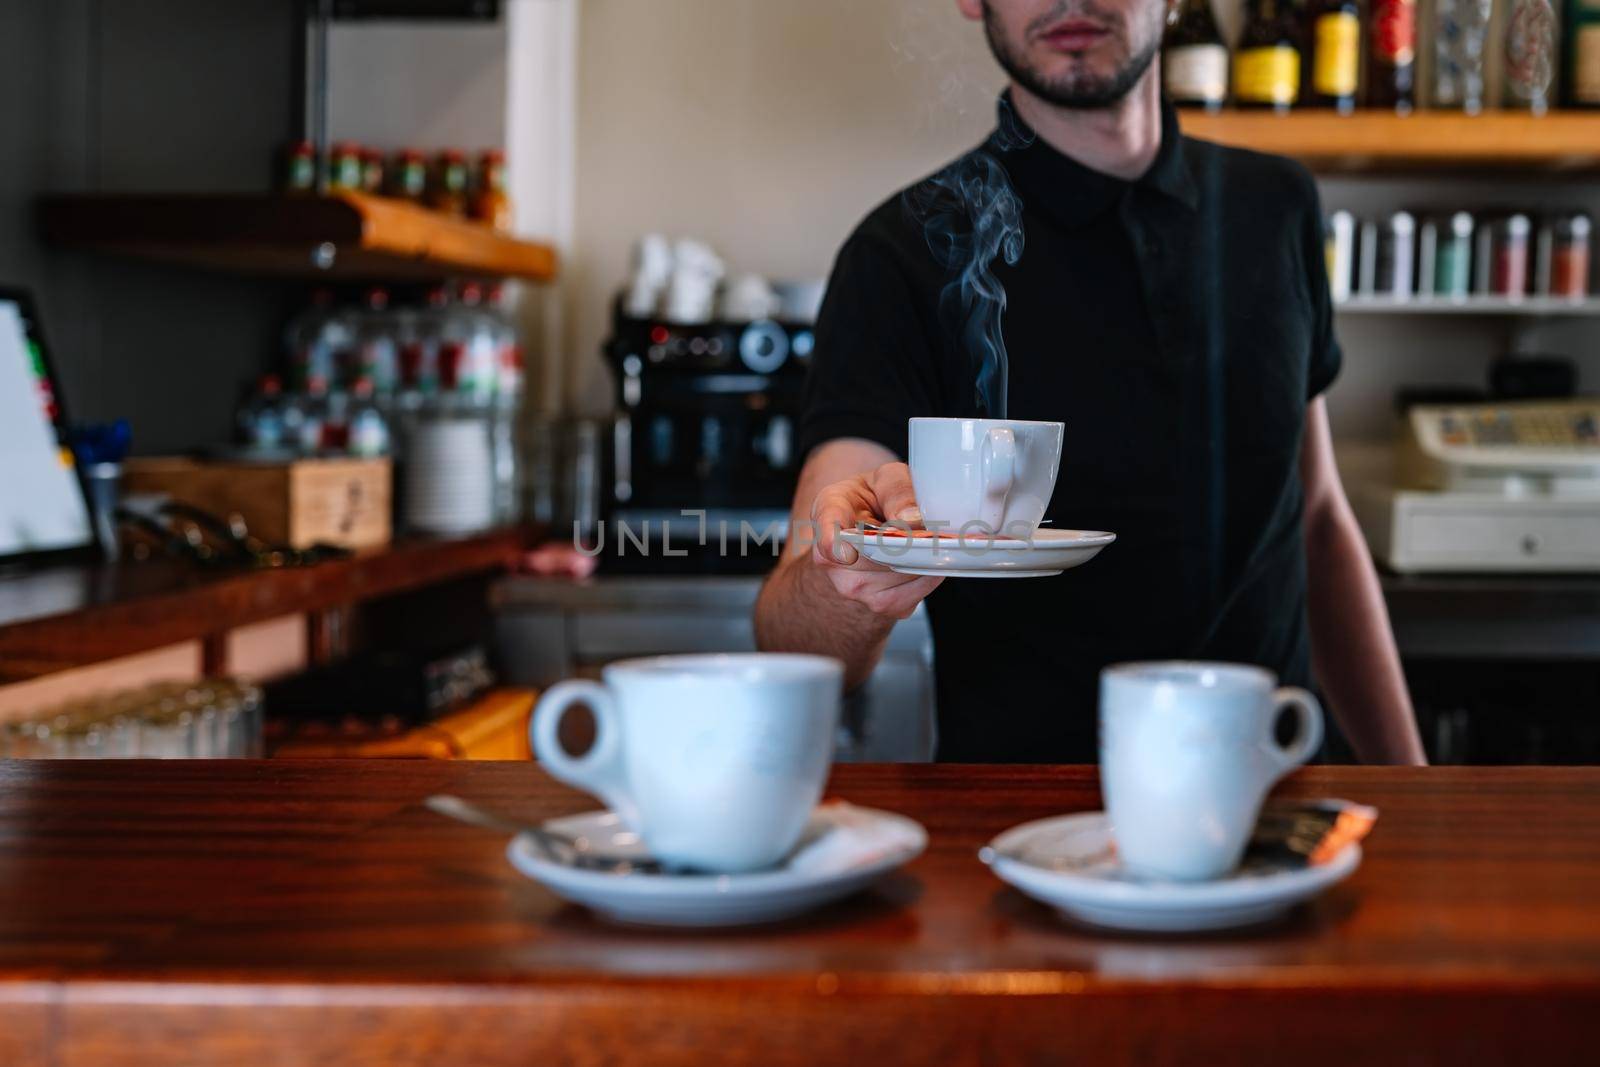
(287, 912)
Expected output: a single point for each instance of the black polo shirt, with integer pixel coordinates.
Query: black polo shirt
(1178, 325)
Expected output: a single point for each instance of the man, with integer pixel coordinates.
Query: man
(1170, 306)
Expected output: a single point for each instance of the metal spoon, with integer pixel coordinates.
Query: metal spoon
(557, 847)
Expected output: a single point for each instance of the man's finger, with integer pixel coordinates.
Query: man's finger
(897, 501)
(832, 513)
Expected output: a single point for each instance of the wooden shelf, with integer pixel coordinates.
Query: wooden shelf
(1561, 140)
(65, 617)
(339, 236)
(1529, 306)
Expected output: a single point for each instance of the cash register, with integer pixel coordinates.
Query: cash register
(1483, 487)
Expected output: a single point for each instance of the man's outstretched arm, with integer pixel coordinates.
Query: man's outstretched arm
(1353, 649)
(824, 597)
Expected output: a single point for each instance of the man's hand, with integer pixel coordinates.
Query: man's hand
(824, 597)
(878, 496)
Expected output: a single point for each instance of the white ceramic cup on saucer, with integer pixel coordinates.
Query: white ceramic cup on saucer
(716, 761)
(984, 475)
(1187, 753)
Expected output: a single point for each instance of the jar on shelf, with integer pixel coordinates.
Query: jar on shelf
(1530, 57)
(1460, 31)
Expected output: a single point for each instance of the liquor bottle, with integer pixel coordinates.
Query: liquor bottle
(1266, 68)
(1583, 53)
(1392, 66)
(1335, 47)
(1530, 61)
(1194, 61)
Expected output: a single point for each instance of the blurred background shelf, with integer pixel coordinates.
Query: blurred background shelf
(1535, 306)
(64, 617)
(340, 235)
(1560, 140)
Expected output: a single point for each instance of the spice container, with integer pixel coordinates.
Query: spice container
(1445, 256)
(1508, 270)
(345, 167)
(448, 185)
(1394, 258)
(408, 176)
(1569, 256)
(1339, 248)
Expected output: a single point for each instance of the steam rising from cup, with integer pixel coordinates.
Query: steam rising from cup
(970, 216)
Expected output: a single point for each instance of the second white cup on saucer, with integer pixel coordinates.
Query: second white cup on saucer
(716, 761)
(1187, 754)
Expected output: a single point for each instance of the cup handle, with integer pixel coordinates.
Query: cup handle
(600, 770)
(997, 463)
(1307, 738)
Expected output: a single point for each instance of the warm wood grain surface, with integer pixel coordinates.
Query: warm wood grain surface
(1560, 140)
(373, 237)
(63, 617)
(288, 912)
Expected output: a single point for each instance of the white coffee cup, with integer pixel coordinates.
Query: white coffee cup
(984, 475)
(716, 761)
(1187, 753)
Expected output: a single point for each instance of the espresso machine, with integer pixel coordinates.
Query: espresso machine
(706, 421)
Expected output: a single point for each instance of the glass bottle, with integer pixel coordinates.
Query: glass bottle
(1392, 56)
(1266, 67)
(1583, 53)
(1194, 59)
(1335, 66)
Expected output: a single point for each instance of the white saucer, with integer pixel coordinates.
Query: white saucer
(845, 849)
(1068, 862)
(980, 556)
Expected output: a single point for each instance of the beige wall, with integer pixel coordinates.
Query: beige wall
(767, 128)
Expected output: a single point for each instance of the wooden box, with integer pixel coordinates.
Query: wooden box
(301, 502)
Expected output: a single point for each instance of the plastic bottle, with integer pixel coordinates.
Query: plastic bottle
(260, 418)
(506, 457)
(315, 340)
(376, 348)
(313, 413)
(369, 430)
(508, 347)
(475, 328)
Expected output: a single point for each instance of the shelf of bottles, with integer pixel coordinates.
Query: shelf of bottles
(432, 377)
(1531, 306)
(1352, 84)
(1462, 263)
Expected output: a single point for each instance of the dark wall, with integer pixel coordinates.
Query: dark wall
(104, 95)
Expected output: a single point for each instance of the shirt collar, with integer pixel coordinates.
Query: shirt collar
(1075, 194)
